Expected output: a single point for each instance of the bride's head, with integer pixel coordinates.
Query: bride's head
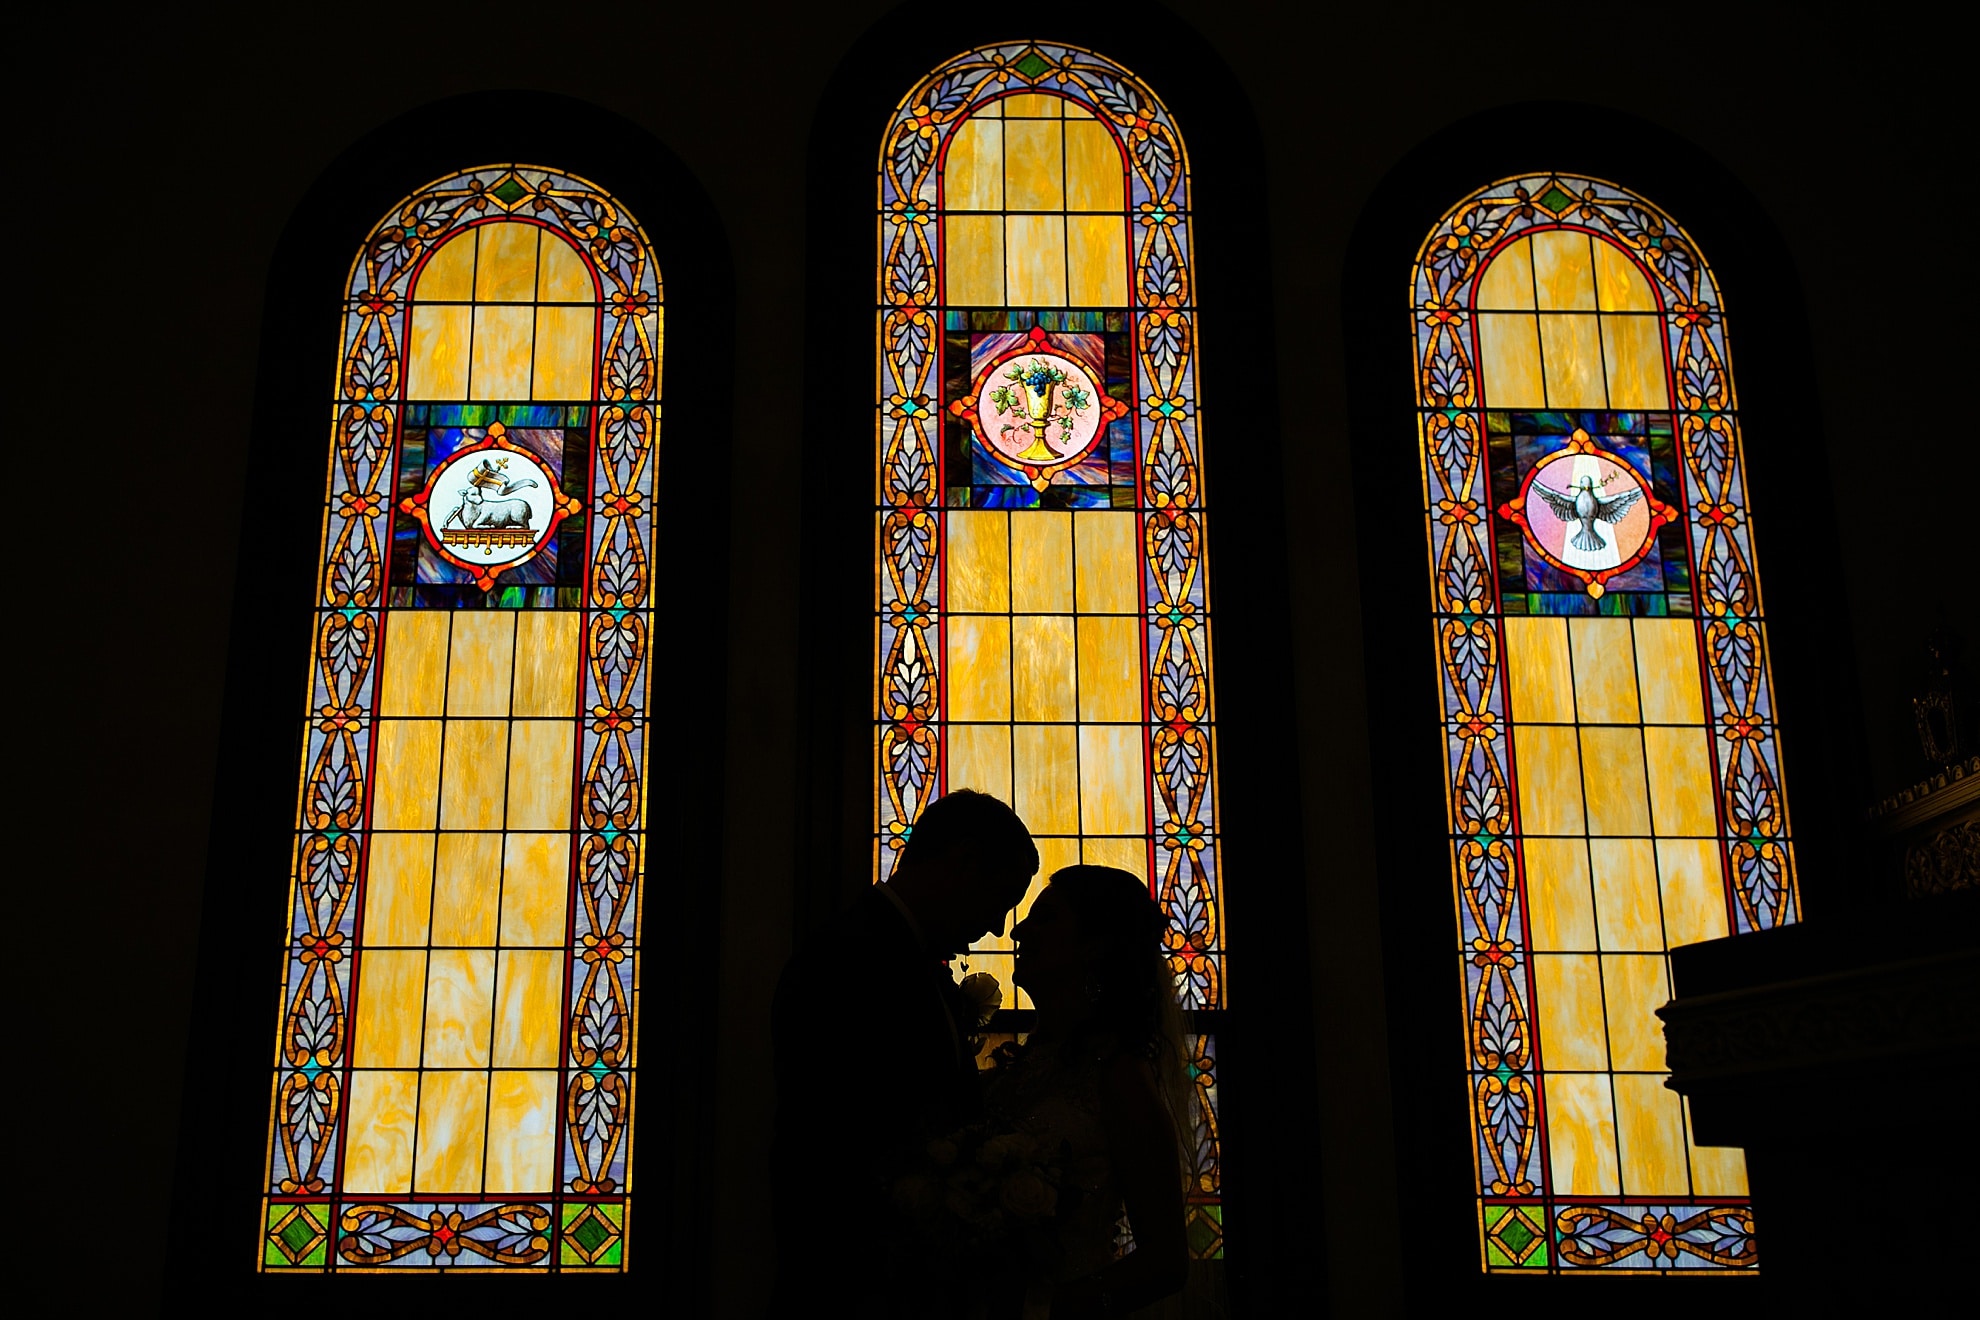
(1092, 944)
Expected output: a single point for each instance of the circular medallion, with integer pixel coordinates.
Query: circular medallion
(491, 506)
(1587, 512)
(1039, 409)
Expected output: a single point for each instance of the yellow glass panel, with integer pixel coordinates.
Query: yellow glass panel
(1667, 671)
(563, 353)
(1626, 909)
(1612, 781)
(482, 661)
(522, 1133)
(453, 1125)
(408, 764)
(1680, 780)
(1045, 777)
(1650, 1123)
(398, 889)
(973, 170)
(437, 352)
(1123, 854)
(1054, 855)
(535, 888)
(1034, 165)
(1110, 667)
(1041, 562)
(1632, 353)
(546, 662)
(1549, 779)
(1509, 353)
(467, 884)
(980, 758)
(1563, 272)
(979, 664)
(1032, 105)
(1035, 260)
(979, 565)
(391, 996)
(973, 260)
(1567, 989)
(1507, 284)
(1692, 874)
(1107, 562)
(561, 275)
(471, 785)
(1097, 247)
(1604, 671)
(1634, 986)
(529, 1008)
(448, 275)
(1537, 667)
(415, 677)
(1095, 174)
(1572, 347)
(460, 991)
(540, 754)
(1715, 1170)
(1581, 1134)
(1558, 907)
(503, 336)
(1112, 779)
(1074, 110)
(1619, 283)
(505, 268)
(378, 1155)
(1043, 678)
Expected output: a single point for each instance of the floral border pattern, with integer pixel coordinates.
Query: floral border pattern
(312, 1074)
(1505, 1086)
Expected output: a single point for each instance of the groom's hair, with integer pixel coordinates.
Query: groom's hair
(968, 821)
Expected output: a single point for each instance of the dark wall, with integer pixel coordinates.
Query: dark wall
(167, 152)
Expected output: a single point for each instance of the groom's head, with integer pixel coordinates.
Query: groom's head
(965, 866)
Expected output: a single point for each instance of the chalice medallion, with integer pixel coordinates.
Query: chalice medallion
(1038, 409)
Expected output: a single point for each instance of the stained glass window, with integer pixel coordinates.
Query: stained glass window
(454, 1064)
(1614, 781)
(1042, 622)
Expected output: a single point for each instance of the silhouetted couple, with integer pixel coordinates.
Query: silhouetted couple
(908, 1181)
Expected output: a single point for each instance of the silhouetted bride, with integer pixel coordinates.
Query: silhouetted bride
(1101, 1086)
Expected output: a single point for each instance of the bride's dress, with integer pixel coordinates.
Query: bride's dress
(1051, 1092)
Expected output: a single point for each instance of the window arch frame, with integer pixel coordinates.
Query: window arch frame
(238, 965)
(1258, 781)
(1780, 427)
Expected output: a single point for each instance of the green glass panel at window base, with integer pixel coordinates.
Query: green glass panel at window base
(288, 1247)
(1512, 1238)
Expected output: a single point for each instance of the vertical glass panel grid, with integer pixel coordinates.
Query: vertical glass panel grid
(1578, 500)
(1042, 624)
(456, 1054)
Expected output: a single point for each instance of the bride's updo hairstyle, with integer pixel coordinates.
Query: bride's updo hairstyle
(1132, 987)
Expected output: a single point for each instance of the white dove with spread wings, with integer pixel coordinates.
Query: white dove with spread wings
(1584, 504)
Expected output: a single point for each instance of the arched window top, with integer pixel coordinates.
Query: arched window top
(1612, 760)
(1031, 75)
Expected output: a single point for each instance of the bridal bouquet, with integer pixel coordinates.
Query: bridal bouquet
(981, 1201)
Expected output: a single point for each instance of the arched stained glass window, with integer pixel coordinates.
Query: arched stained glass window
(454, 1064)
(1042, 622)
(1614, 778)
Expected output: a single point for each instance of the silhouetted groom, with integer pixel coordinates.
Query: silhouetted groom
(871, 1055)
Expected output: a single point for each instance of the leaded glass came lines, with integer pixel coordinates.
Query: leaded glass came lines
(453, 1088)
(1042, 624)
(1614, 783)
